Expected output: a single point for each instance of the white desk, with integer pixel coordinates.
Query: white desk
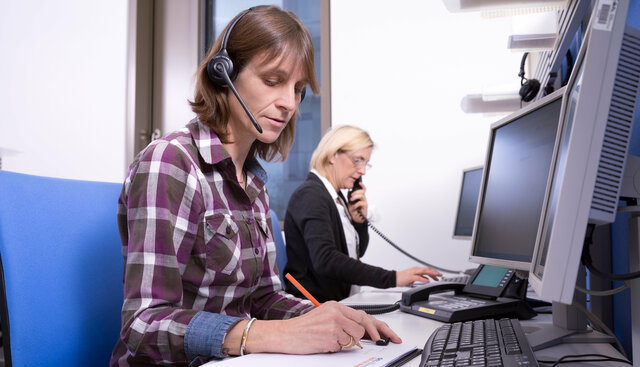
(416, 330)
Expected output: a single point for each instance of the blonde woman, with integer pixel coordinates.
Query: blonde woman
(326, 235)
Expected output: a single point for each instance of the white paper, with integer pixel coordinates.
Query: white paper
(371, 355)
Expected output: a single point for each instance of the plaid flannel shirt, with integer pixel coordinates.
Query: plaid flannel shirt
(198, 249)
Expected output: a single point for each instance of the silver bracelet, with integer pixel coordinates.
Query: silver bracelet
(245, 335)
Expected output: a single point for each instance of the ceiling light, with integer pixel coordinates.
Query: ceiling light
(531, 42)
(496, 8)
(491, 103)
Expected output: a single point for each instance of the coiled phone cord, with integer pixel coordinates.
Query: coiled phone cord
(376, 230)
(376, 309)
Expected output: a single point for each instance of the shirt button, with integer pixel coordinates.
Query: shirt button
(257, 251)
(249, 220)
(228, 230)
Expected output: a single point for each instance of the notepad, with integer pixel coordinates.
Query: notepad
(371, 355)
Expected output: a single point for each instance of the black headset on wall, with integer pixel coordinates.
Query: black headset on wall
(528, 87)
(221, 72)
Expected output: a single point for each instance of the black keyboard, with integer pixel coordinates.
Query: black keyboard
(488, 342)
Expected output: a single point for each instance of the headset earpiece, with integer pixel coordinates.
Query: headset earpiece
(529, 88)
(221, 63)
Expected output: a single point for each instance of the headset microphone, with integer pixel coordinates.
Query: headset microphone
(235, 92)
(220, 70)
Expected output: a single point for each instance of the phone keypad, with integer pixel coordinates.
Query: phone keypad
(457, 303)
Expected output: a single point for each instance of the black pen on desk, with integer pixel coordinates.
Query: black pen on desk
(309, 297)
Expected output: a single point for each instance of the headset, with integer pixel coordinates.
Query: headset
(221, 72)
(528, 87)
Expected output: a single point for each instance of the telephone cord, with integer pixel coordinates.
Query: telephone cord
(376, 230)
(588, 262)
(372, 309)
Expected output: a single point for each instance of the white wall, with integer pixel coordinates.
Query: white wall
(62, 88)
(399, 70)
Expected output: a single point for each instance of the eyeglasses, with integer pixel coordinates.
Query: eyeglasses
(359, 162)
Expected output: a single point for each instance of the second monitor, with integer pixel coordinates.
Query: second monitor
(512, 192)
(514, 180)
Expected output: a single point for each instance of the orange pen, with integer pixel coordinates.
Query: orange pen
(302, 290)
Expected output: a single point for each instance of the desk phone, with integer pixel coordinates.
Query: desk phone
(491, 292)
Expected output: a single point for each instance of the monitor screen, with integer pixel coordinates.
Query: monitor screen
(590, 157)
(515, 178)
(467, 203)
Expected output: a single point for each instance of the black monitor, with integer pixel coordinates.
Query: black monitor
(467, 203)
(514, 180)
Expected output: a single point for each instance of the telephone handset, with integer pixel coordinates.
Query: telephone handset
(356, 187)
(487, 282)
(423, 292)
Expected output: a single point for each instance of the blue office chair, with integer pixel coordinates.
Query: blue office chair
(281, 250)
(61, 270)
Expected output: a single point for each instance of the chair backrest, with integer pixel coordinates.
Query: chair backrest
(61, 270)
(281, 250)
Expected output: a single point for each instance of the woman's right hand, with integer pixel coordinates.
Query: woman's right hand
(321, 330)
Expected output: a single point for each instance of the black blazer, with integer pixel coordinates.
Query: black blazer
(317, 254)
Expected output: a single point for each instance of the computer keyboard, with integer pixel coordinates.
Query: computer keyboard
(486, 342)
(456, 278)
(451, 278)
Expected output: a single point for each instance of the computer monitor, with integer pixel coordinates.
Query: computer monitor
(589, 160)
(467, 203)
(514, 180)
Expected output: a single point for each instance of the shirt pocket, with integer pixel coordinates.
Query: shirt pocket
(268, 240)
(222, 243)
(261, 221)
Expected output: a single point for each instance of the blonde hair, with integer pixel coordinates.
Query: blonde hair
(340, 139)
(268, 32)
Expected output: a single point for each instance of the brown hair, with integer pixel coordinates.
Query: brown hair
(270, 33)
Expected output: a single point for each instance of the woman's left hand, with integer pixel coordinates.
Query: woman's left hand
(358, 206)
(417, 274)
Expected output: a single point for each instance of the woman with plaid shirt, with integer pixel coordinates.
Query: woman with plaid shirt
(194, 215)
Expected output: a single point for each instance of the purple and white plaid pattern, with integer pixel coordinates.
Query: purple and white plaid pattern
(193, 240)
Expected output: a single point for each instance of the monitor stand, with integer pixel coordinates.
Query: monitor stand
(566, 328)
(569, 324)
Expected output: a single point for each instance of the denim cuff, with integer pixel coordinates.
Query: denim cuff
(205, 334)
